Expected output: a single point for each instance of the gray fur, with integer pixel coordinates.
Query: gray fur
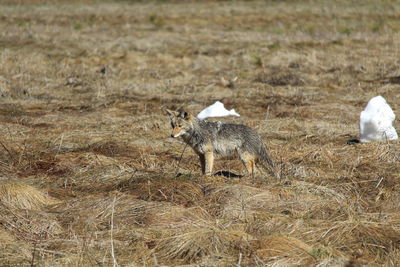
(222, 138)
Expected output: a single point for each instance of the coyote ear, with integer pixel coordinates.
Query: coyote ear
(171, 113)
(185, 115)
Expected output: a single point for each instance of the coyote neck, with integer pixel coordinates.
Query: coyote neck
(195, 135)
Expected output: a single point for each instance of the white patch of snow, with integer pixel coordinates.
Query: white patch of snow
(376, 121)
(216, 110)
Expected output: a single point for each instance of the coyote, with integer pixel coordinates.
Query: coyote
(209, 138)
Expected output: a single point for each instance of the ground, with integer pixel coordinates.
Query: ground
(90, 176)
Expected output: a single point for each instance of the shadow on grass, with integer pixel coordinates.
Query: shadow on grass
(228, 174)
(353, 141)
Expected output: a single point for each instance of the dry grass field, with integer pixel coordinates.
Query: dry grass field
(90, 176)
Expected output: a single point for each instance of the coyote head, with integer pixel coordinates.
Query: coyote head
(181, 122)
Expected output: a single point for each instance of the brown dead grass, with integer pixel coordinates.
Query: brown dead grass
(17, 195)
(284, 250)
(83, 86)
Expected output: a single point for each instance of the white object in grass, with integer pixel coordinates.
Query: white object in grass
(376, 121)
(216, 110)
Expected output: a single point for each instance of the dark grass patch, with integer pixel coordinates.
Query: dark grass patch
(48, 166)
(108, 148)
(280, 77)
(177, 190)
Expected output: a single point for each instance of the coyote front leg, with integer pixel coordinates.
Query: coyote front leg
(209, 162)
(202, 163)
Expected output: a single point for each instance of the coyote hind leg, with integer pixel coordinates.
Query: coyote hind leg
(202, 163)
(249, 162)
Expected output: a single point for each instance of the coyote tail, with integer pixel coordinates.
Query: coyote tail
(267, 162)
